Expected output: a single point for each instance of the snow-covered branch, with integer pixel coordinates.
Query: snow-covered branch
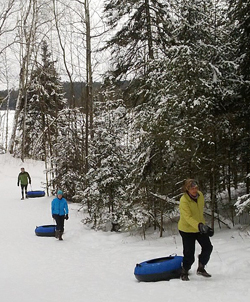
(243, 204)
(208, 212)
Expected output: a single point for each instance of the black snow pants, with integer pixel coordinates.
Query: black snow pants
(59, 222)
(188, 240)
(24, 188)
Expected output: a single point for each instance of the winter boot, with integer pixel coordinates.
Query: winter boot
(60, 235)
(184, 275)
(201, 271)
(57, 234)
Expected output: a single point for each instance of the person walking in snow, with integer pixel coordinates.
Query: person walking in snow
(60, 211)
(23, 179)
(192, 227)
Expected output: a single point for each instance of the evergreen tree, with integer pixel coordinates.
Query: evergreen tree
(144, 30)
(239, 14)
(106, 195)
(44, 101)
(181, 132)
(69, 160)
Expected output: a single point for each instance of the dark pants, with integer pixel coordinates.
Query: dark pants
(59, 222)
(24, 187)
(188, 240)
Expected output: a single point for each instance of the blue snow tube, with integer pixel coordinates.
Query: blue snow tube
(46, 230)
(35, 194)
(158, 269)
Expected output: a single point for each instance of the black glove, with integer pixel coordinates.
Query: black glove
(210, 232)
(54, 216)
(66, 217)
(205, 229)
(18, 184)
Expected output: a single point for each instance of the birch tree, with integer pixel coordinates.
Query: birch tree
(27, 34)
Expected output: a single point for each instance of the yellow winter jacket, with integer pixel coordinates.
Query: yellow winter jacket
(191, 213)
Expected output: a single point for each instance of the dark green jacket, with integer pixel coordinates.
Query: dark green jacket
(23, 178)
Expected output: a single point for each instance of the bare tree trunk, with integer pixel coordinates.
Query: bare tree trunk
(27, 38)
(87, 133)
(24, 125)
(18, 109)
(149, 31)
(89, 84)
(7, 120)
(72, 94)
(213, 196)
(6, 74)
(89, 67)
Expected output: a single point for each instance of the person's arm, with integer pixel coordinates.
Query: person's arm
(18, 179)
(29, 178)
(66, 207)
(66, 210)
(52, 207)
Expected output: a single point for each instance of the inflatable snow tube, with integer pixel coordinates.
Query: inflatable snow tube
(158, 269)
(46, 230)
(31, 194)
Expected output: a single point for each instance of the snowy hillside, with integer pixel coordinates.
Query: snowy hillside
(95, 266)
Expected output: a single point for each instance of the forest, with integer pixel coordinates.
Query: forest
(173, 102)
(9, 99)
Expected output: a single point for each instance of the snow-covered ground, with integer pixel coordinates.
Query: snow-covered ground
(95, 266)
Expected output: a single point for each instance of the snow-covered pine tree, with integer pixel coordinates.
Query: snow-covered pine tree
(143, 29)
(106, 196)
(68, 163)
(45, 99)
(144, 32)
(38, 129)
(182, 135)
(239, 15)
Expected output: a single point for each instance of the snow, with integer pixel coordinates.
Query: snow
(95, 266)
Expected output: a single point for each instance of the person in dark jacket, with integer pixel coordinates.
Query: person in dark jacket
(23, 179)
(192, 227)
(60, 211)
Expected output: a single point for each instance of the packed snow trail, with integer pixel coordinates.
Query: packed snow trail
(97, 266)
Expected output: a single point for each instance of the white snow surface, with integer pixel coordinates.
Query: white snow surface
(99, 266)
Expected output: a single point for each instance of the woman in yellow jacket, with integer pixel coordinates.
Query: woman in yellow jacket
(192, 227)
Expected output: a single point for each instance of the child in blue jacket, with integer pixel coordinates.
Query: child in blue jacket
(60, 211)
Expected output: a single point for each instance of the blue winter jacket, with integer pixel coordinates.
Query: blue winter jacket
(59, 206)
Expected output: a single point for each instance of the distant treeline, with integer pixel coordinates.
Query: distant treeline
(79, 92)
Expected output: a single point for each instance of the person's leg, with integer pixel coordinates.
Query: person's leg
(22, 188)
(61, 227)
(60, 223)
(206, 250)
(57, 219)
(188, 241)
(25, 188)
